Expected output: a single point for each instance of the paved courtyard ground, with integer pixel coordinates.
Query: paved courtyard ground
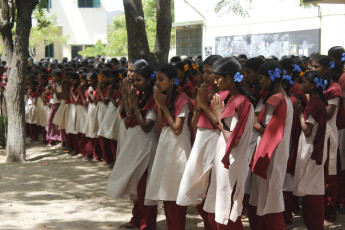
(53, 190)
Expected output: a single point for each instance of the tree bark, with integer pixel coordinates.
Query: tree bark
(17, 58)
(138, 46)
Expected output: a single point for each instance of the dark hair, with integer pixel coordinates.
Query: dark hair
(57, 72)
(230, 66)
(83, 76)
(254, 64)
(139, 63)
(325, 61)
(44, 76)
(175, 59)
(187, 74)
(336, 53)
(210, 60)
(171, 73)
(311, 75)
(34, 83)
(92, 75)
(146, 72)
(105, 72)
(267, 66)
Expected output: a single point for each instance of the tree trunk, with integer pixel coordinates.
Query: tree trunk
(138, 46)
(16, 72)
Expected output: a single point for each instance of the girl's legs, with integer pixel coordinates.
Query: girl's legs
(313, 211)
(273, 221)
(204, 215)
(113, 147)
(230, 226)
(147, 214)
(44, 134)
(254, 220)
(289, 205)
(34, 129)
(106, 150)
(175, 215)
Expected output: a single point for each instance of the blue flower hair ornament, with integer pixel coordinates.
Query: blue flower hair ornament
(153, 76)
(331, 64)
(343, 57)
(296, 68)
(274, 74)
(238, 77)
(319, 83)
(176, 81)
(288, 78)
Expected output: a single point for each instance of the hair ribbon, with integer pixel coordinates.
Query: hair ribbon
(153, 76)
(288, 78)
(343, 57)
(176, 81)
(331, 64)
(238, 77)
(318, 82)
(274, 74)
(296, 68)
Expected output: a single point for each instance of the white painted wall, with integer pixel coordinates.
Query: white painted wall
(84, 26)
(269, 16)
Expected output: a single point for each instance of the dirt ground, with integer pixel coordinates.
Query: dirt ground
(53, 190)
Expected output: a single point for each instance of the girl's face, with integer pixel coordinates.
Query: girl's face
(56, 79)
(140, 82)
(265, 81)
(221, 82)
(32, 87)
(163, 83)
(84, 83)
(92, 81)
(74, 82)
(130, 71)
(41, 81)
(180, 74)
(104, 78)
(250, 76)
(317, 67)
(208, 76)
(307, 86)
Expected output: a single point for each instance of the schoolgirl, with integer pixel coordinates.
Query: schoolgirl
(101, 109)
(291, 201)
(312, 152)
(92, 145)
(335, 114)
(173, 112)
(134, 162)
(293, 70)
(251, 84)
(31, 111)
(41, 112)
(235, 119)
(195, 180)
(184, 73)
(108, 128)
(270, 158)
(53, 134)
(337, 54)
(82, 108)
(70, 127)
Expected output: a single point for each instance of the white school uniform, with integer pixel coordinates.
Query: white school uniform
(332, 135)
(227, 182)
(309, 177)
(137, 155)
(108, 127)
(169, 163)
(31, 111)
(81, 117)
(341, 138)
(267, 194)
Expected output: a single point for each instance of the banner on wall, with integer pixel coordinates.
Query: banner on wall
(301, 43)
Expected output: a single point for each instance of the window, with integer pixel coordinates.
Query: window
(89, 3)
(49, 50)
(47, 4)
(189, 40)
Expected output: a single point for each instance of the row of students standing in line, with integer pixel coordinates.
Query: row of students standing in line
(77, 109)
(212, 173)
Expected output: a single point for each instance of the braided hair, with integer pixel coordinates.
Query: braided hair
(311, 75)
(171, 73)
(267, 66)
(230, 66)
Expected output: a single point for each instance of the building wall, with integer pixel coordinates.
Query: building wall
(269, 16)
(84, 26)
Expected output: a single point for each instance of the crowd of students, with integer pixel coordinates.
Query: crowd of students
(232, 136)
